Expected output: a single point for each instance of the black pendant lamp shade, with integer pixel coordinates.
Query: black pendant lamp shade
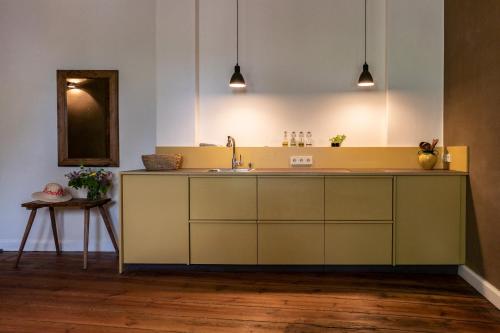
(365, 79)
(237, 80)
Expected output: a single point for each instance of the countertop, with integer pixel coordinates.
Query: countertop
(302, 172)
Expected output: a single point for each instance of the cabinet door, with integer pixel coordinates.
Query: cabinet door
(291, 243)
(291, 198)
(155, 219)
(428, 220)
(358, 198)
(223, 243)
(223, 198)
(358, 243)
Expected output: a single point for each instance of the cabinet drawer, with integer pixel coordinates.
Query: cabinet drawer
(223, 243)
(289, 244)
(291, 198)
(358, 244)
(155, 219)
(358, 198)
(223, 198)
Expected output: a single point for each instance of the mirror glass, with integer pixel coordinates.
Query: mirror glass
(88, 116)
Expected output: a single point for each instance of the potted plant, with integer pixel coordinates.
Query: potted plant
(95, 181)
(337, 140)
(427, 154)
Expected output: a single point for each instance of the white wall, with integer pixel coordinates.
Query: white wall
(176, 72)
(37, 38)
(301, 60)
(415, 70)
(301, 64)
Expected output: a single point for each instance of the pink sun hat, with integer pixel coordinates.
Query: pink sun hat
(52, 192)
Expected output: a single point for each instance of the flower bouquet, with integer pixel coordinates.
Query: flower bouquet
(96, 181)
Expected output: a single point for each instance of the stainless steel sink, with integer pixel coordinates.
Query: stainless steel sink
(231, 170)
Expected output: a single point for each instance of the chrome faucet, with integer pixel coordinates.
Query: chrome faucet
(234, 162)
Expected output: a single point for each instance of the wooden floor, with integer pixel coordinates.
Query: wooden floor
(52, 294)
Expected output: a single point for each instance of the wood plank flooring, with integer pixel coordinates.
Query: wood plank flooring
(50, 293)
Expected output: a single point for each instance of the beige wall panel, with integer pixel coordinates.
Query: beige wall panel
(223, 198)
(223, 243)
(290, 244)
(291, 198)
(358, 198)
(428, 220)
(358, 244)
(155, 219)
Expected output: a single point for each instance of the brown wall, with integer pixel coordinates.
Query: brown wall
(472, 117)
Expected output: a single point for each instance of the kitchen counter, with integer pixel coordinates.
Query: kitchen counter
(293, 216)
(304, 171)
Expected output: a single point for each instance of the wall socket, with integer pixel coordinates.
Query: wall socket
(301, 161)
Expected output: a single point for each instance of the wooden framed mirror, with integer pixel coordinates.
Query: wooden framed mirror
(87, 118)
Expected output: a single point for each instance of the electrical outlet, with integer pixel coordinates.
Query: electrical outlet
(301, 161)
(447, 158)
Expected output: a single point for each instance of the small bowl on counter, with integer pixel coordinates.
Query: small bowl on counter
(162, 162)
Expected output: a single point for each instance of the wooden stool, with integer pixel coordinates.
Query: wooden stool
(84, 204)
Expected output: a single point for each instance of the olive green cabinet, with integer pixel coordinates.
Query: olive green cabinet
(223, 198)
(430, 220)
(294, 220)
(358, 243)
(358, 198)
(291, 198)
(223, 242)
(155, 226)
(285, 243)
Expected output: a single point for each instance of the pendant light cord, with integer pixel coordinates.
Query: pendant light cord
(365, 31)
(238, 31)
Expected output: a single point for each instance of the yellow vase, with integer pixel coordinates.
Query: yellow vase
(427, 160)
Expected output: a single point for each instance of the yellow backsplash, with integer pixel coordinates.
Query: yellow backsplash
(323, 157)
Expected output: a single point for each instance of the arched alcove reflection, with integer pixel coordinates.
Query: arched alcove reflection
(88, 115)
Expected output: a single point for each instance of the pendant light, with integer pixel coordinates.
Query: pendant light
(237, 80)
(365, 79)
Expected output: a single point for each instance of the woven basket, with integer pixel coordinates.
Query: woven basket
(158, 162)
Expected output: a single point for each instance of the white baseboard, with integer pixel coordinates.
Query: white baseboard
(489, 291)
(48, 245)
